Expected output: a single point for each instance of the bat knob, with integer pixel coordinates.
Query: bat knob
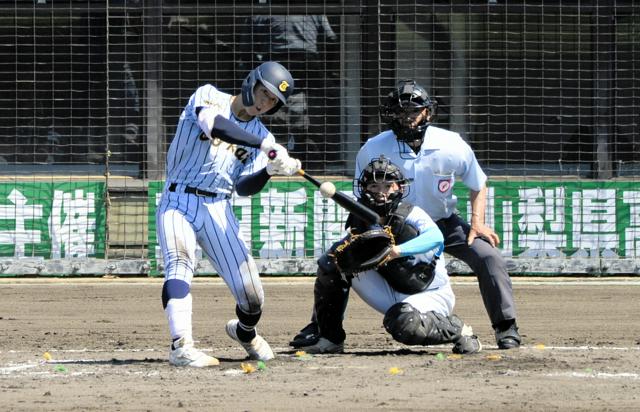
(272, 154)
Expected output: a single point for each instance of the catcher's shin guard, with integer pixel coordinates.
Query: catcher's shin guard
(407, 325)
(331, 294)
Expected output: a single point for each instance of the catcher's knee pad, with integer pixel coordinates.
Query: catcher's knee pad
(404, 323)
(407, 325)
(441, 329)
(174, 289)
(328, 274)
(327, 264)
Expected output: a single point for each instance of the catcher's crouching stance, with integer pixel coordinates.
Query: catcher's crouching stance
(396, 269)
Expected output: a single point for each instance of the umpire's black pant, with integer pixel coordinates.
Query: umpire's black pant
(486, 262)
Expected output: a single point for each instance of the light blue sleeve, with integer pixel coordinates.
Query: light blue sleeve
(430, 236)
(424, 242)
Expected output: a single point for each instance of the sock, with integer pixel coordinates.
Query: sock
(178, 312)
(245, 333)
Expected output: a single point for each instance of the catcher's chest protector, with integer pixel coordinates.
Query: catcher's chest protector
(401, 274)
(396, 220)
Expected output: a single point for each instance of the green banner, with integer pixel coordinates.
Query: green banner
(546, 219)
(52, 220)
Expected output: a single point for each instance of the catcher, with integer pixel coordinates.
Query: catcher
(404, 279)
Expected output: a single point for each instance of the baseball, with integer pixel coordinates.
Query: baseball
(327, 189)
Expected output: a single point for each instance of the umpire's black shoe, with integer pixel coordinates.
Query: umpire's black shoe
(308, 336)
(507, 335)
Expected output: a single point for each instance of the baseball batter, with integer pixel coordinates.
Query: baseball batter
(412, 290)
(220, 146)
(434, 159)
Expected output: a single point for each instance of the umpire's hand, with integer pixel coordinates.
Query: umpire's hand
(484, 231)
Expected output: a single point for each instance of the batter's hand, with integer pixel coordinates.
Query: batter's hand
(481, 230)
(268, 146)
(286, 166)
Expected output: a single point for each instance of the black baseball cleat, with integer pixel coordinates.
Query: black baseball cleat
(308, 336)
(507, 336)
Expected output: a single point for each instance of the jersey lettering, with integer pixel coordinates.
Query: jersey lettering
(222, 145)
(242, 154)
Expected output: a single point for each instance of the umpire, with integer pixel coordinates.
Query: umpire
(434, 158)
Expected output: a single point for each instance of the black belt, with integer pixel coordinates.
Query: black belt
(197, 192)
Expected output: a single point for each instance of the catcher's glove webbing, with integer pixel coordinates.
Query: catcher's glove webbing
(364, 251)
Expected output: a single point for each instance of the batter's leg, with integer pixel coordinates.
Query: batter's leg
(221, 240)
(177, 241)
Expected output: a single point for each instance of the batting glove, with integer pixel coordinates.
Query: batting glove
(283, 166)
(268, 146)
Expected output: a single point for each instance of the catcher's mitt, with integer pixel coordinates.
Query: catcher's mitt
(363, 251)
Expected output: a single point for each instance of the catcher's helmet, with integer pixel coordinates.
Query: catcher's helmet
(400, 110)
(274, 77)
(381, 170)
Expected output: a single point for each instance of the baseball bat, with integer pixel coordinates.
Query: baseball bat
(358, 209)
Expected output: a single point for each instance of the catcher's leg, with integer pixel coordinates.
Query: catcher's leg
(331, 293)
(409, 326)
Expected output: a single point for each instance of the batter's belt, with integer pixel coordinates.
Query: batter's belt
(199, 192)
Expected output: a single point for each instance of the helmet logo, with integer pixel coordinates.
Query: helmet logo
(283, 86)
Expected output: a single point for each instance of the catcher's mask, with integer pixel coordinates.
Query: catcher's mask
(274, 77)
(404, 112)
(381, 170)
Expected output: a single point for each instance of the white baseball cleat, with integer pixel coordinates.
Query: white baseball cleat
(258, 348)
(185, 354)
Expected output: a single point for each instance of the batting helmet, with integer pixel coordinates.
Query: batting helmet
(274, 77)
(381, 170)
(403, 107)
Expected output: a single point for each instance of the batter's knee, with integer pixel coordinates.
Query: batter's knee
(404, 323)
(174, 289)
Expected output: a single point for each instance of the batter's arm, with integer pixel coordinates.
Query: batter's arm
(227, 131)
(251, 184)
(224, 129)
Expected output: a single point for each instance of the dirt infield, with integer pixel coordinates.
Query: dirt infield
(108, 344)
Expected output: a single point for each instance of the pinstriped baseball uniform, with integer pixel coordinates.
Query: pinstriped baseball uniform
(195, 162)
